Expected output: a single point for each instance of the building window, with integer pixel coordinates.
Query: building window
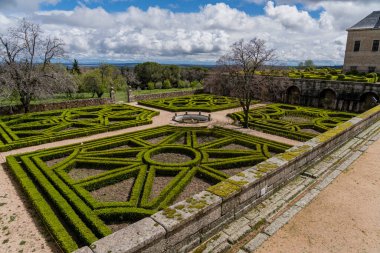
(353, 68)
(371, 69)
(375, 46)
(357, 46)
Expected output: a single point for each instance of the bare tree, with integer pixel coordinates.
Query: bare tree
(26, 57)
(239, 69)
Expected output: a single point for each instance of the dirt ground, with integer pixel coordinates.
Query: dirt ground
(345, 217)
(20, 230)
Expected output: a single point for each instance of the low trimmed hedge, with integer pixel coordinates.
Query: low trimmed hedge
(75, 217)
(270, 119)
(31, 129)
(195, 103)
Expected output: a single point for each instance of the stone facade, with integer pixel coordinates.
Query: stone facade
(335, 95)
(365, 58)
(365, 55)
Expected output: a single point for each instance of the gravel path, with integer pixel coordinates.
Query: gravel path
(345, 217)
(20, 231)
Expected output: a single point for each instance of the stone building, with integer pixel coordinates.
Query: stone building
(363, 50)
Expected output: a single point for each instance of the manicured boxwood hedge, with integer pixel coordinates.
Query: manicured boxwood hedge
(76, 217)
(293, 122)
(30, 129)
(199, 102)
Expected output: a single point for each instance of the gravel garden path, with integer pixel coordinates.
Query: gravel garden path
(345, 217)
(21, 232)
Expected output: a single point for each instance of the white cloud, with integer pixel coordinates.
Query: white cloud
(19, 6)
(161, 34)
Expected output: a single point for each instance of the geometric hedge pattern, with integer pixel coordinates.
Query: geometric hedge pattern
(294, 122)
(76, 188)
(30, 129)
(199, 102)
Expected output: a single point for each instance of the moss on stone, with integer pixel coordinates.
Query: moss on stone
(290, 155)
(369, 112)
(196, 204)
(224, 189)
(237, 182)
(266, 166)
(171, 213)
(180, 207)
(333, 132)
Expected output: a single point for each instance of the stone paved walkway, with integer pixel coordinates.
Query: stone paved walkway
(20, 231)
(312, 215)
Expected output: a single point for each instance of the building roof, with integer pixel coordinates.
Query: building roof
(372, 21)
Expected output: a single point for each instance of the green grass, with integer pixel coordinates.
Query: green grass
(293, 122)
(30, 129)
(120, 95)
(199, 102)
(75, 217)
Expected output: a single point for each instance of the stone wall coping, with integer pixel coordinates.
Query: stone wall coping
(130, 239)
(180, 213)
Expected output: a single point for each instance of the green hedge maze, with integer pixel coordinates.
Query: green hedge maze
(200, 102)
(84, 192)
(293, 122)
(31, 129)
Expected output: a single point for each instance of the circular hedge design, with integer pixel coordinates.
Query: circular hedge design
(83, 190)
(30, 129)
(294, 122)
(188, 151)
(199, 102)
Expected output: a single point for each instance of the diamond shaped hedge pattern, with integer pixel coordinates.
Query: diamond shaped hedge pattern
(84, 191)
(199, 102)
(30, 129)
(294, 122)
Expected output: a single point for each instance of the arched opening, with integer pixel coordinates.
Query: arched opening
(368, 100)
(293, 95)
(327, 99)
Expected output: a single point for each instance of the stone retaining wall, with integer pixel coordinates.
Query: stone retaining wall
(186, 224)
(6, 110)
(135, 98)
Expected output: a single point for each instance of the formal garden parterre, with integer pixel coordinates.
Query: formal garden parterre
(86, 191)
(293, 122)
(30, 129)
(199, 102)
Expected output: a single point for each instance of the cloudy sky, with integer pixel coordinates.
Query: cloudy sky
(192, 31)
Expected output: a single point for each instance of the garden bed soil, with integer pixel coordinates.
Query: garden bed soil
(116, 192)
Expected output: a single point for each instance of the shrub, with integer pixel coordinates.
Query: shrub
(158, 85)
(341, 77)
(195, 84)
(166, 84)
(150, 86)
(24, 130)
(183, 84)
(76, 218)
(200, 102)
(269, 119)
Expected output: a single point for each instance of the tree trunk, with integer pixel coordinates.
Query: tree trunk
(25, 101)
(246, 118)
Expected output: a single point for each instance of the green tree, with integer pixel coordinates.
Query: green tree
(92, 82)
(148, 72)
(75, 69)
